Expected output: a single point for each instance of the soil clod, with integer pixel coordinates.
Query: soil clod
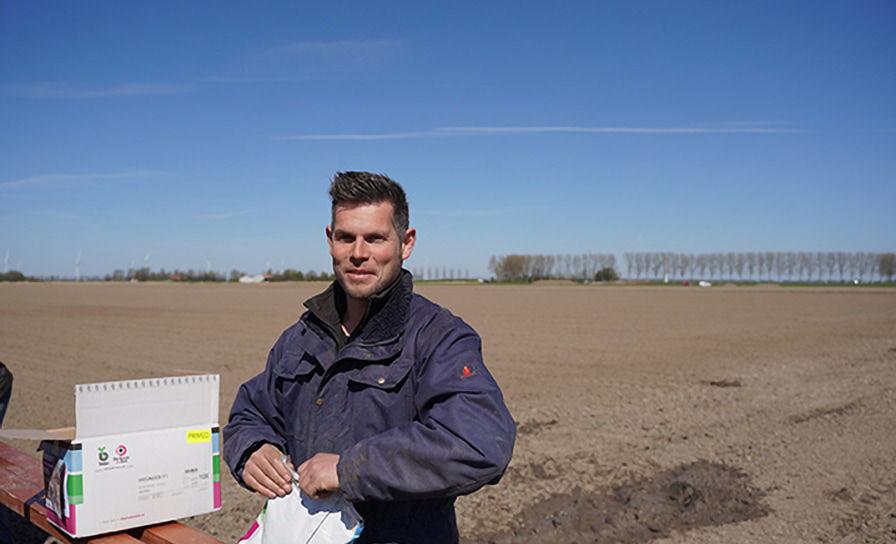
(722, 383)
(534, 426)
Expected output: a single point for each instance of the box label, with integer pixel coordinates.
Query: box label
(200, 435)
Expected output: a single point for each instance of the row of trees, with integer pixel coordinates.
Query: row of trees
(538, 267)
(13, 275)
(829, 266)
(145, 274)
(290, 275)
(439, 273)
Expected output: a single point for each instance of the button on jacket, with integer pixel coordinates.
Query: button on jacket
(407, 403)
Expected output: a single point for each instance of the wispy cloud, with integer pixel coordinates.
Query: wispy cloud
(443, 132)
(222, 215)
(287, 63)
(78, 178)
(51, 214)
(67, 91)
(366, 136)
(467, 131)
(488, 212)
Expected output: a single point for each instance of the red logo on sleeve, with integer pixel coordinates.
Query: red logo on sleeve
(467, 373)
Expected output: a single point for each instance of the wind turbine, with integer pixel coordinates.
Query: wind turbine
(78, 267)
(6, 262)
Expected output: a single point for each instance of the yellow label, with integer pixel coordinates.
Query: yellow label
(201, 435)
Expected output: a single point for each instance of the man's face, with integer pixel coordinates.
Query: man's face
(367, 251)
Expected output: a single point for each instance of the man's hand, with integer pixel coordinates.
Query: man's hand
(318, 477)
(265, 473)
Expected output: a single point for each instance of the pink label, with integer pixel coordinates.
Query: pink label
(69, 525)
(70, 521)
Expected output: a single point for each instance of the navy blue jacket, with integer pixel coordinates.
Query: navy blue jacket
(407, 404)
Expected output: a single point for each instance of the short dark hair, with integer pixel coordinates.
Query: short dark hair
(355, 188)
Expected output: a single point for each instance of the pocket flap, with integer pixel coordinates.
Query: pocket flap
(293, 364)
(383, 376)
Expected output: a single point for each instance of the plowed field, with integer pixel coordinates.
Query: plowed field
(732, 414)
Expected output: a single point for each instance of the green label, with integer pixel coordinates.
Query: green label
(75, 489)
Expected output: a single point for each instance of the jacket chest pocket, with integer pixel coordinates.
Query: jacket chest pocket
(381, 396)
(297, 376)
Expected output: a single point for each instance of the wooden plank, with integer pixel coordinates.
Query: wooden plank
(116, 538)
(21, 477)
(175, 533)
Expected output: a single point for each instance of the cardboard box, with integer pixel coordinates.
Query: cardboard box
(141, 452)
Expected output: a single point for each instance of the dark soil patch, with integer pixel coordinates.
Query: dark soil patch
(534, 426)
(722, 383)
(825, 412)
(694, 495)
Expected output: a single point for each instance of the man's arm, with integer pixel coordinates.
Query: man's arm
(253, 442)
(462, 441)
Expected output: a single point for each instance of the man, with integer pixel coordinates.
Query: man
(375, 392)
(5, 394)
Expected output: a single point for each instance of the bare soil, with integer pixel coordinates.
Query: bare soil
(732, 414)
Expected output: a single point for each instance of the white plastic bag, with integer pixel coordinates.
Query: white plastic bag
(299, 519)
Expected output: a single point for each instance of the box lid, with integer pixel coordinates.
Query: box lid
(128, 406)
(144, 405)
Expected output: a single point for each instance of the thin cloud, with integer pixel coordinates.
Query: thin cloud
(77, 178)
(467, 131)
(442, 132)
(42, 213)
(65, 91)
(222, 215)
(359, 136)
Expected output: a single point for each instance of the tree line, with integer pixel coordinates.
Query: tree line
(538, 267)
(145, 274)
(807, 266)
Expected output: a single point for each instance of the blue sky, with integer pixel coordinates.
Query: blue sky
(200, 133)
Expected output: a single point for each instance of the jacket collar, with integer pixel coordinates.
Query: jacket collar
(383, 321)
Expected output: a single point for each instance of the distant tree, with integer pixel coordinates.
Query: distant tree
(830, 263)
(791, 264)
(780, 265)
(769, 263)
(715, 264)
(12, 275)
(886, 266)
(842, 262)
(739, 262)
(683, 261)
(606, 274)
(656, 264)
(702, 263)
